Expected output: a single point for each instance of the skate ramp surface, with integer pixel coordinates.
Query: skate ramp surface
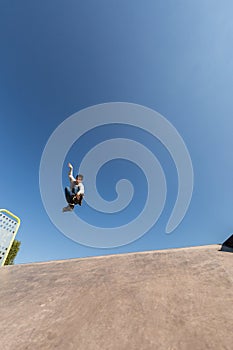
(180, 299)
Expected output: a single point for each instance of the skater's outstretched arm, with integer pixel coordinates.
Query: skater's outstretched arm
(70, 174)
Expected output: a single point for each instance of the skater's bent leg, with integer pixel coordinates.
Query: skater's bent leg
(69, 195)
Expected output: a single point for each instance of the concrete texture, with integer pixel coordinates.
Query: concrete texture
(178, 299)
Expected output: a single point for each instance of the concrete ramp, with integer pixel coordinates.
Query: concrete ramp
(179, 299)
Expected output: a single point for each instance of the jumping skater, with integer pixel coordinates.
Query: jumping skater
(75, 192)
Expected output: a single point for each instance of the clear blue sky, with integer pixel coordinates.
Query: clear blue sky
(58, 57)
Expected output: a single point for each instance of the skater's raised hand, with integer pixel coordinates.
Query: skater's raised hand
(70, 174)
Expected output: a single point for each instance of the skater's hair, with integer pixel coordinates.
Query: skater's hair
(80, 176)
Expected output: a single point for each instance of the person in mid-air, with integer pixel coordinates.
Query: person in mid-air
(75, 192)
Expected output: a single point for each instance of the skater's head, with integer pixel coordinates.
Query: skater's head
(79, 178)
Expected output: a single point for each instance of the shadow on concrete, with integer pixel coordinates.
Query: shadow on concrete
(227, 246)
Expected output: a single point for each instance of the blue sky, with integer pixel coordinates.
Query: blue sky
(175, 57)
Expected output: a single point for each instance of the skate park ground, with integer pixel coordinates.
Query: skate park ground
(178, 299)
